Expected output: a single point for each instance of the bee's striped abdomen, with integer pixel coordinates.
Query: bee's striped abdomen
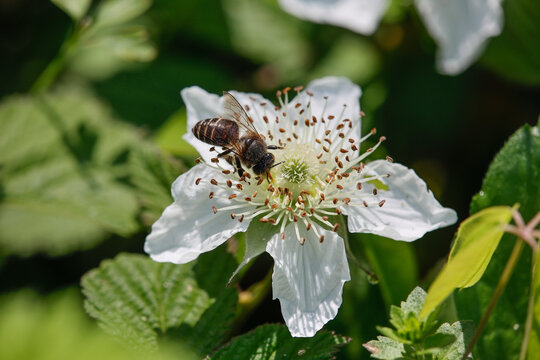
(216, 131)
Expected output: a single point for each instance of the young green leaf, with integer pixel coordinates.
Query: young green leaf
(476, 241)
(74, 8)
(385, 348)
(513, 177)
(275, 342)
(63, 160)
(136, 299)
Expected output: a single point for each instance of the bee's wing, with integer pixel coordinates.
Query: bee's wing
(235, 111)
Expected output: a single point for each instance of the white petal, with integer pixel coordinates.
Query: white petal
(339, 91)
(410, 209)
(200, 105)
(361, 16)
(189, 227)
(308, 279)
(461, 28)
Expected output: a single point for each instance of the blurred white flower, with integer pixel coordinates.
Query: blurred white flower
(321, 176)
(461, 28)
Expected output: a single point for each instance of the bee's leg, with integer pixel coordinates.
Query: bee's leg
(274, 147)
(239, 166)
(224, 153)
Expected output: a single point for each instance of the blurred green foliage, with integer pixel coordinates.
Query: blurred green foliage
(90, 141)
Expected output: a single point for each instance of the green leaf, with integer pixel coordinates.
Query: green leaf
(385, 348)
(136, 299)
(534, 340)
(114, 12)
(76, 9)
(62, 164)
(275, 342)
(461, 333)
(350, 56)
(55, 327)
(477, 238)
(265, 34)
(515, 53)
(169, 136)
(513, 177)
(396, 278)
(152, 175)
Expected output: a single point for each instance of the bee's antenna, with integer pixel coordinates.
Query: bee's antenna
(281, 162)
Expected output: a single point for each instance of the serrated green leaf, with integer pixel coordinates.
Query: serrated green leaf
(396, 278)
(135, 298)
(513, 177)
(385, 348)
(74, 8)
(213, 270)
(55, 327)
(414, 302)
(275, 342)
(62, 163)
(477, 238)
(461, 332)
(152, 175)
(397, 317)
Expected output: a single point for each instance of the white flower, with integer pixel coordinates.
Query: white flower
(321, 175)
(460, 27)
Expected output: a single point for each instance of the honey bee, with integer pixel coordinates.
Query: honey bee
(236, 134)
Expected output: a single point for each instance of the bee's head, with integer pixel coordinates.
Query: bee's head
(264, 164)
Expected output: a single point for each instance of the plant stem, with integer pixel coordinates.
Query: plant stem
(530, 307)
(507, 272)
(55, 67)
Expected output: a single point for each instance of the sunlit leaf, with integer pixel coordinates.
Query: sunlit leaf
(113, 12)
(275, 342)
(169, 136)
(513, 177)
(74, 8)
(62, 163)
(476, 241)
(136, 299)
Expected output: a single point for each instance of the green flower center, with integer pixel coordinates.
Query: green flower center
(295, 170)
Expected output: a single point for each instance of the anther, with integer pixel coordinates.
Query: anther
(306, 122)
(229, 183)
(354, 148)
(330, 117)
(281, 130)
(213, 148)
(272, 221)
(374, 191)
(339, 187)
(247, 198)
(335, 228)
(365, 203)
(260, 181)
(226, 172)
(273, 206)
(233, 215)
(325, 149)
(327, 132)
(302, 240)
(322, 196)
(241, 218)
(214, 160)
(232, 196)
(211, 195)
(338, 211)
(389, 159)
(341, 135)
(295, 218)
(335, 201)
(318, 141)
(342, 150)
(239, 186)
(382, 138)
(325, 218)
(214, 209)
(282, 235)
(362, 113)
(254, 194)
(198, 160)
(373, 131)
(321, 239)
(381, 203)
(351, 141)
(346, 201)
(214, 182)
(308, 226)
(265, 118)
(266, 201)
(197, 182)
